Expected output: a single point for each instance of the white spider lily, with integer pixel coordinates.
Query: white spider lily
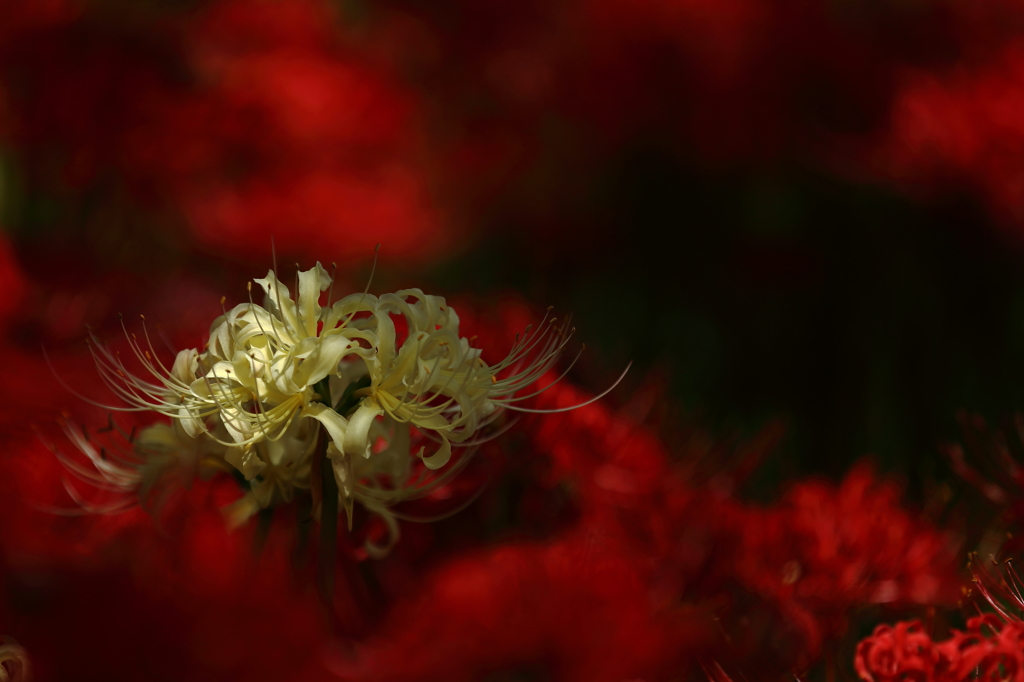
(255, 397)
(253, 380)
(436, 381)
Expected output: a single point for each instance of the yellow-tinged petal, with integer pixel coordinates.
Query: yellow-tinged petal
(311, 283)
(185, 366)
(279, 300)
(439, 458)
(245, 460)
(239, 512)
(357, 438)
(335, 424)
(189, 424)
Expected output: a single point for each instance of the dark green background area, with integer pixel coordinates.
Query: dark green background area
(864, 320)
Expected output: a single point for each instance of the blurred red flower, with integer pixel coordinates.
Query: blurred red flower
(729, 81)
(825, 550)
(251, 119)
(962, 129)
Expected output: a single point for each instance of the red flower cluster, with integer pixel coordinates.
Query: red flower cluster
(729, 82)
(962, 129)
(990, 649)
(956, 127)
(825, 550)
(251, 119)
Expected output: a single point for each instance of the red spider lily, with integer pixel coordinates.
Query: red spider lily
(991, 451)
(578, 607)
(825, 550)
(248, 119)
(961, 128)
(990, 649)
(735, 81)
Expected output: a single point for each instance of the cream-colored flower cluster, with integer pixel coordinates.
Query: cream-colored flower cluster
(274, 377)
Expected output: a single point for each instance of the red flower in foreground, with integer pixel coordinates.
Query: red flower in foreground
(990, 649)
(793, 573)
(580, 607)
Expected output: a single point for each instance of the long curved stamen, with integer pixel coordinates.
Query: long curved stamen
(575, 407)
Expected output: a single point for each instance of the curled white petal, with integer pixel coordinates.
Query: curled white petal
(357, 438)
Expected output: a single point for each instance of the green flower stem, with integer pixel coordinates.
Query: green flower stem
(329, 488)
(328, 555)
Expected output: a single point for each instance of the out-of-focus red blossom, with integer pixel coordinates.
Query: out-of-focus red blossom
(140, 595)
(820, 552)
(613, 461)
(733, 81)
(962, 128)
(825, 550)
(586, 604)
(253, 119)
(990, 649)
(47, 315)
(579, 607)
(957, 126)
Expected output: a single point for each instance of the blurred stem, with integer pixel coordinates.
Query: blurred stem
(366, 589)
(328, 524)
(328, 556)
